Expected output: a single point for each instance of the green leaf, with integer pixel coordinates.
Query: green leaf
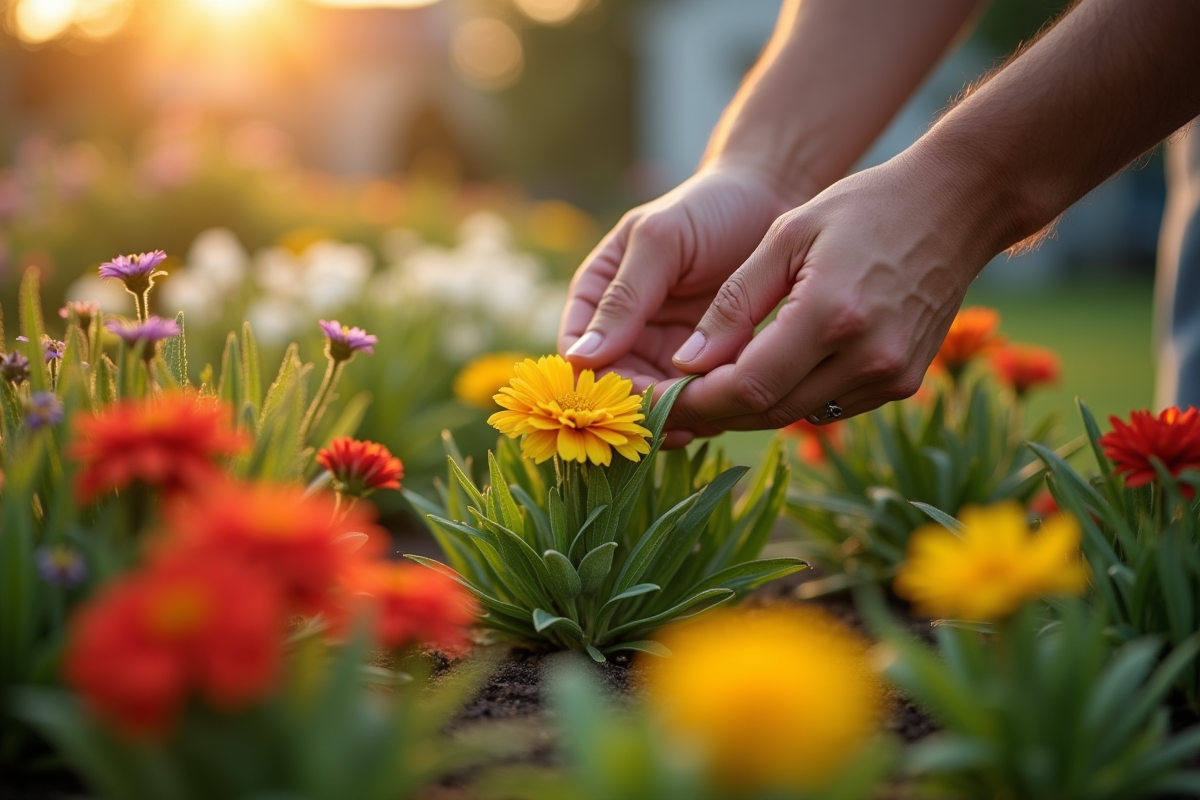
(174, 352)
(941, 517)
(599, 501)
(229, 387)
(697, 604)
(742, 578)
(508, 507)
(32, 328)
(633, 591)
(679, 545)
(543, 621)
(647, 547)
(251, 371)
(595, 566)
(596, 655)
(489, 602)
(463, 481)
(564, 580)
(558, 522)
(644, 646)
(106, 382)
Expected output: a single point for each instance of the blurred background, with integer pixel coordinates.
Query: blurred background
(305, 158)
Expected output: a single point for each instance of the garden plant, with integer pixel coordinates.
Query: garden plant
(573, 547)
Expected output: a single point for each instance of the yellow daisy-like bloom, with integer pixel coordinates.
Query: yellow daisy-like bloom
(482, 377)
(993, 567)
(582, 421)
(774, 699)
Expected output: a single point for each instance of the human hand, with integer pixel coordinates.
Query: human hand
(642, 291)
(873, 270)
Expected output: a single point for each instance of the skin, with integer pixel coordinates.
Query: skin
(871, 270)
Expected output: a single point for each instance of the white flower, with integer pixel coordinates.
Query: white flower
(193, 294)
(218, 257)
(485, 228)
(274, 320)
(278, 273)
(109, 295)
(335, 274)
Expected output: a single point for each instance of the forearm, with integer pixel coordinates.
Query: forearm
(829, 81)
(1108, 82)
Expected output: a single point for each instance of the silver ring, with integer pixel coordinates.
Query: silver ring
(833, 410)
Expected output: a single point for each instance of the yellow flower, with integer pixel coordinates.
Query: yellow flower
(480, 379)
(780, 698)
(997, 564)
(580, 422)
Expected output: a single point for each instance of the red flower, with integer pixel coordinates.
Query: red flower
(413, 605)
(149, 640)
(973, 333)
(288, 536)
(1024, 366)
(171, 441)
(1044, 505)
(811, 436)
(1173, 436)
(359, 468)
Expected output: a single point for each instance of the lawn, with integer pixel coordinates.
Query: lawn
(1102, 332)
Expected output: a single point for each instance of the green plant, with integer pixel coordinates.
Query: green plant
(966, 447)
(595, 558)
(324, 736)
(1143, 545)
(623, 753)
(1043, 711)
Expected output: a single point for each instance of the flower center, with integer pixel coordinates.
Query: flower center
(179, 612)
(573, 401)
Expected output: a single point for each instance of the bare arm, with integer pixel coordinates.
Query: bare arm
(874, 268)
(832, 76)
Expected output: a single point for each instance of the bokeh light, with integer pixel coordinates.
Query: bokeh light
(230, 8)
(551, 12)
(375, 3)
(487, 53)
(38, 21)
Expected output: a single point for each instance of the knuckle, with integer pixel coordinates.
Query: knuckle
(885, 365)
(780, 415)
(904, 387)
(847, 320)
(656, 227)
(619, 300)
(754, 393)
(731, 307)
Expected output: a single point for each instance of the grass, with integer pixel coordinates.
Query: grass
(1102, 332)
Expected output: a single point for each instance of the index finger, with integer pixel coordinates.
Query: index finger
(588, 285)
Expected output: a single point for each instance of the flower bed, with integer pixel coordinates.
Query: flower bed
(196, 599)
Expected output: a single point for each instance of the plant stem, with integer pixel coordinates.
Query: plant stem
(333, 372)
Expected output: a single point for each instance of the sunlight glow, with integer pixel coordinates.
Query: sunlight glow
(550, 12)
(40, 21)
(230, 8)
(374, 3)
(487, 53)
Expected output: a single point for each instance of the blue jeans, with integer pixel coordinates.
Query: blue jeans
(1177, 290)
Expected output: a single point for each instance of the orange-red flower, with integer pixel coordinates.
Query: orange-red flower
(172, 441)
(359, 467)
(288, 536)
(1044, 505)
(809, 447)
(1173, 436)
(413, 605)
(151, 639)
(1024, 366)
(973, 333)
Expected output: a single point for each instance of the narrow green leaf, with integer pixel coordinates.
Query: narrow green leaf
(941, 517)
(697, 604)
(644, 646)
(594, 568)
(251, 370)
(543, 621)
(596, 655)
(174, 353)
(32, 328)
(564, 580)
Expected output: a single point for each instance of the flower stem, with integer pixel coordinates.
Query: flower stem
(315, 411)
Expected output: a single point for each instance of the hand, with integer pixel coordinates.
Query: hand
(872, 272)
(640, 293)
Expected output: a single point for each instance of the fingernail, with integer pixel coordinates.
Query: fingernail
(691, 348)
(586, 345)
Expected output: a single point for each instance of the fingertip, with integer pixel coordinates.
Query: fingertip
(675, 439)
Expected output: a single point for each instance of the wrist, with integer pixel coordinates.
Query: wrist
(792, 186)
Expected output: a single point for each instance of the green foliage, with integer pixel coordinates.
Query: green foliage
(595, 558)
(613, 754)
(967, 447)
(38, 507)
(1044, 712)
(325, 736)
(1143, 546)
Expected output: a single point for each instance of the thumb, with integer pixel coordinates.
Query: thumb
(745, 299)
(637, 290)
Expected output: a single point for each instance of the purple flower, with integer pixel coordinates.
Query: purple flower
(137, 271)
(344, 341)
(61, 566)
(52, 349)
(42, 410)
(85, 312)
(150, 331)
(14, 367)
